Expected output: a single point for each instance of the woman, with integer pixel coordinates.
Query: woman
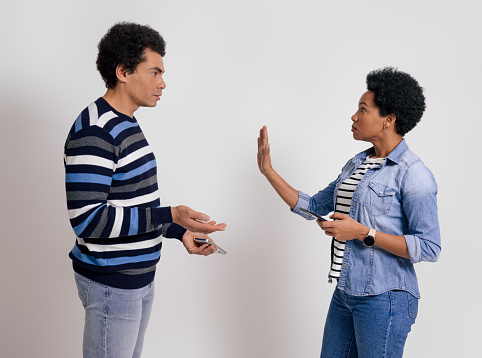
(385, 220)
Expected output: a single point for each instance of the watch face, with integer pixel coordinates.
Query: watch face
(369, 240)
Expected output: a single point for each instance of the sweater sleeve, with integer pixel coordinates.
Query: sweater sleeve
(90, 159)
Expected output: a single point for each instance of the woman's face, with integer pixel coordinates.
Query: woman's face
(367, 122)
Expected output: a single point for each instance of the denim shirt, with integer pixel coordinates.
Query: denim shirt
(398, 198)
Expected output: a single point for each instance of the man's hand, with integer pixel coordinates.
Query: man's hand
(194, 248)
(194, 221)
(343, 227)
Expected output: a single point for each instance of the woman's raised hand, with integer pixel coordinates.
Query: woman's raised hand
(284, 190)
(264, 157)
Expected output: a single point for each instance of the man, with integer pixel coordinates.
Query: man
(113, 199)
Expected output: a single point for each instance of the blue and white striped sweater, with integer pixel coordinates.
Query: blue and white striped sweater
(113, 199)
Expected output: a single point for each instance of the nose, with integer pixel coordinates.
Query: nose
(161, 84)
(354, 118)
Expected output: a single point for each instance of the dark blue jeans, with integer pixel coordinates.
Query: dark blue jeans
(369, 326)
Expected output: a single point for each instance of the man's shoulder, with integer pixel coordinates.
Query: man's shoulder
(101, 119)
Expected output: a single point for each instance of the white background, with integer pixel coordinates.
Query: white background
(231, 67)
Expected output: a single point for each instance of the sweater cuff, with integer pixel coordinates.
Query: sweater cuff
(161, 216)
(173, 231)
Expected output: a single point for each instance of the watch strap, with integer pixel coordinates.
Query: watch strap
(369, 240)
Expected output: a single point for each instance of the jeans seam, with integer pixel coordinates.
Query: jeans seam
(411, 311)
(86, 297)
(389, 326)
(106, 299)
(350, 345)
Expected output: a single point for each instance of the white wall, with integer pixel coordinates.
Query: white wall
(232, 66)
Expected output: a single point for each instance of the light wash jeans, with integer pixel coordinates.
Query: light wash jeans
(368, 326)
(115, 319)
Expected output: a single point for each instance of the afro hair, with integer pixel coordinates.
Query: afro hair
(397, 93)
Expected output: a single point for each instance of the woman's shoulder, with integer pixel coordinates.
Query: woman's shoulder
(417, 174)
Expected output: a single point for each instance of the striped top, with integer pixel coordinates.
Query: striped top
(113, 199)
(343, 204)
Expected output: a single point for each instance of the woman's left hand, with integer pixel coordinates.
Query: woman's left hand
(343, 227)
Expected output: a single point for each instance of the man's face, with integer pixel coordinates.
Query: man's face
(145, 85)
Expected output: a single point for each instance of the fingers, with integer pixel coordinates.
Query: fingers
(207, 250)
(204, 250)
(199, 216)
(195, 248)
(196, 221)
(182, 214)
(326, 226)
(264, 135)
(201, 250)
(207, 228)
(338, 216)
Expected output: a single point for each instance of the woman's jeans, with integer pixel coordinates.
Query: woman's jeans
(369, 326)
(115, 319)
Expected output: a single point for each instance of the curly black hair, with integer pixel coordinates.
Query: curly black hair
(124, 44)
(397, 93)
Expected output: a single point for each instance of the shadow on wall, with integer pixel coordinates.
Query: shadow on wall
(36, 233)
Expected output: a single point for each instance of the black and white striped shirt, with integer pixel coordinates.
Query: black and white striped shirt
(343, 204)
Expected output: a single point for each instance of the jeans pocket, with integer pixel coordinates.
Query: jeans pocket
(412, 306)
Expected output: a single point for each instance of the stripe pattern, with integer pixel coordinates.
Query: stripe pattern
(113, 198)
(343, 204)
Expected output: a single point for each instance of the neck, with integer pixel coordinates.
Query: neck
(120, 101)
(385, 147)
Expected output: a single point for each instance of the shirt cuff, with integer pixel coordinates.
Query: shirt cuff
(303, 202)
(414, 249)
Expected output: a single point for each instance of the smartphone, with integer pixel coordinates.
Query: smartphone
(313, 215)
(206, 241)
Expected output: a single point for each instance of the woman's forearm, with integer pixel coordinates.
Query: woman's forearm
(284, 190)
(394, 244)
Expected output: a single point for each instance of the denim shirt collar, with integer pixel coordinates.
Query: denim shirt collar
(394, 156)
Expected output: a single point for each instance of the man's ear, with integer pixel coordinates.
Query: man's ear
(121, 73)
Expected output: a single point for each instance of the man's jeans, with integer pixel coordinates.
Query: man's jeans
(115, 319)
(368, 326)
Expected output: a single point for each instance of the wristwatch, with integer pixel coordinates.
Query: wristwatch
(369, 240)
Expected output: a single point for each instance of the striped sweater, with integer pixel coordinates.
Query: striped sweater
(113, 199)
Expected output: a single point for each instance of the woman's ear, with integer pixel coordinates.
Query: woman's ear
(389, 120)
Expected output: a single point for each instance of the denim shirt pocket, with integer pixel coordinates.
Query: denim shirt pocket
(379, 198)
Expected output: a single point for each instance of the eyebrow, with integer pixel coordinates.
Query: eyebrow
(157, 69)
(364, 104)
